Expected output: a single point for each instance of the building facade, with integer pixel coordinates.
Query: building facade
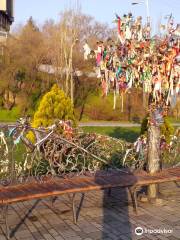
(6, 16)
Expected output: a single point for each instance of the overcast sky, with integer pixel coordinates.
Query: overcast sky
(102, 10)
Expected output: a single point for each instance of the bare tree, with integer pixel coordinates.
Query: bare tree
(64, 43)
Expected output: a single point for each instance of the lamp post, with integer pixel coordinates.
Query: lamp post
(71, 69)
(147, 8)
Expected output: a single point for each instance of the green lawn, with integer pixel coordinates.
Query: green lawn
(129, 134)
(9, 116)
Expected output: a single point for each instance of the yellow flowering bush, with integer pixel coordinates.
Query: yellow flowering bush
(54, 105)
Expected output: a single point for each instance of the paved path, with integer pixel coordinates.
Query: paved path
(103, 124)
(97, 124)
(101, 218)
(113, 124)
(108, 124)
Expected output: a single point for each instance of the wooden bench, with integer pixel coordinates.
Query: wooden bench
(81, 184)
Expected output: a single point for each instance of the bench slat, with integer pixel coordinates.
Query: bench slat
(101, 180)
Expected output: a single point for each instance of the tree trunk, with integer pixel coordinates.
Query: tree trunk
(72, 88)
(153, 156)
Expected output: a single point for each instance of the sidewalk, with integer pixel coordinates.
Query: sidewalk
(113, 124)
(101, 218)
(101, 124)
(108, 124)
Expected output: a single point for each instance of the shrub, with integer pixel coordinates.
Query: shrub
(144, 125)
(54, 105)
(166, 128)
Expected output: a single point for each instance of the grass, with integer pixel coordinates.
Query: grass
(9, 115)
(101, 109)
(129, 134)
(174, 120)
(19, 153)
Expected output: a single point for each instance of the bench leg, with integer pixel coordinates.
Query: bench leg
(53, 199)
(177, 184)
(5, 216)
(72, 199)
(80, 205)
(74, 210)
(133, 194)
(109, 192)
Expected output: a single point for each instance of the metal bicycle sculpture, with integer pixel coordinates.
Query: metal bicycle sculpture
(135, 156)
(52, 153)
(4, 151)
(55, 152)
(170, 152)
